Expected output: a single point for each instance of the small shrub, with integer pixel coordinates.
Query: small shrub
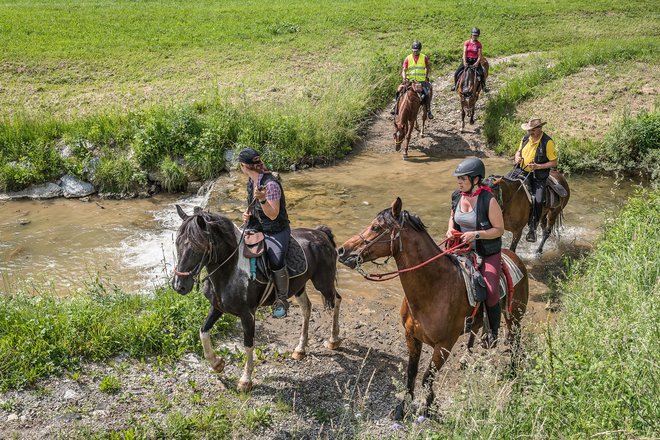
(121, 175)
(110, 385)
(173, 176)
(256, 418)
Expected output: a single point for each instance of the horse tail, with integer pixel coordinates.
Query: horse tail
(559, 224)
(327, 231)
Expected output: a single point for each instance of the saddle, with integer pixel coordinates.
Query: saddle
(554, 192)
(295, 260)
(474, 282)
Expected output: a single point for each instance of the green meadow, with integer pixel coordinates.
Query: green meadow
(128, 87)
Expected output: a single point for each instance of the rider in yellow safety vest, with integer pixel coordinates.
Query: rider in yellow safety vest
(416, 68)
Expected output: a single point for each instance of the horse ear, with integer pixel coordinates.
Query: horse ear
(181, 212)
(396, 207)
(201, 222)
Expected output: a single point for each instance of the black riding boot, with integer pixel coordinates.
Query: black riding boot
(428, 109)
(531, 233)
(281, 305)
(494, 317)
(483, 86)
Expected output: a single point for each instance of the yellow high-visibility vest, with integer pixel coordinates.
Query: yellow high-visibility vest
(416, 71)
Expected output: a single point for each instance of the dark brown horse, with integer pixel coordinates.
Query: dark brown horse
(435, 305)
(406, 117)
(469, 88)
(210, 240)
(516, 207)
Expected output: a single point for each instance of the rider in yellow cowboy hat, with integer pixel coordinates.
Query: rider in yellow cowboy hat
(535, 157)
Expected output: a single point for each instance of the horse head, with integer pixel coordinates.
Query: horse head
(381, 238)
(400, 133)
(194, 249)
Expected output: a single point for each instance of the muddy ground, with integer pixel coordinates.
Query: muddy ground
(329, 394)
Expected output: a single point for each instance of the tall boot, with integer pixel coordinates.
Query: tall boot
(281, 305)
(428, 108)
(494, 318)
(483, 86)
(531, 230)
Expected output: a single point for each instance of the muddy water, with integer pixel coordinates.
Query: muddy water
(63, 244)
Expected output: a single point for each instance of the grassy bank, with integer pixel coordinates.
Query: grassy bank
(110, 91)
(43, 335)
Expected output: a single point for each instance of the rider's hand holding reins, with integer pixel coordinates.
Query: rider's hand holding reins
(468, 237)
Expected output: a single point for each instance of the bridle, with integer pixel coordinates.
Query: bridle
(395, 233)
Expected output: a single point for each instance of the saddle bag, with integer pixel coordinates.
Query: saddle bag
(255, 244)
(480, 290)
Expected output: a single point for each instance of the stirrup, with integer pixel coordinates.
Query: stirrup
(280, 310)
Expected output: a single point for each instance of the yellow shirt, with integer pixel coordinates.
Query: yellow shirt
(528, 152)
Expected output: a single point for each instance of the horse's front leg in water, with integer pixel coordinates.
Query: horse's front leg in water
(306, 308)
(245, 382)
(218, 364)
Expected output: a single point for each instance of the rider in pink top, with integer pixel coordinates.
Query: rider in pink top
(472, 54)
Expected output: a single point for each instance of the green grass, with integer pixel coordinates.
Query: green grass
(42, 335)
(145, 81)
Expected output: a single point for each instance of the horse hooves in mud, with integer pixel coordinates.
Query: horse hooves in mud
(404, 156)
(333, 345)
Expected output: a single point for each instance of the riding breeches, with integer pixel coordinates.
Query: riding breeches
(490, 269)
(276, 246)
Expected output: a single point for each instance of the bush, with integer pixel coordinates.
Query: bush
(121, 175)
(173, 176)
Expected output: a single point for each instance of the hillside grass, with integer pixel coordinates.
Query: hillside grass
(108, 91)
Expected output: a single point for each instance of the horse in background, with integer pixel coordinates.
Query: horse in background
(516, 206)
(435, 304)
(469, 88)
(211, 240)
(406, 116)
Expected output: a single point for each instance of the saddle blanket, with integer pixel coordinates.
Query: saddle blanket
(467, 267)
(296, 262)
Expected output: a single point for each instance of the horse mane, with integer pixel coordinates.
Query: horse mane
(217, 229)
(385, 217)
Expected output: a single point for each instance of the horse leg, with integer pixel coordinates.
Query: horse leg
(513, 320)
(414, 352)
(306, 308)
(515, 239)
(472, 114)
(424, 110)
(546, 223)
(438, 359)
(335, 341)
(462, 118)
(218, 364)
(245, 382)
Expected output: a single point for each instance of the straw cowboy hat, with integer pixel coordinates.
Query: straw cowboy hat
(533, 123)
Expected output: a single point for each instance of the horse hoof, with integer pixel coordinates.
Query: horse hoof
(218, 366)
(244, 386)
(332, 345)
(298, 355)
(397, 414)
(404, 156)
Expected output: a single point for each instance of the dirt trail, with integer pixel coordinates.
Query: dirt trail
(327, 394)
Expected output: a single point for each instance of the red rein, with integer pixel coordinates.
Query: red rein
(455, 246)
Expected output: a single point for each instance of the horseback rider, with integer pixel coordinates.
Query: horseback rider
(416, 68)
(472, 56)
(476, 213)
(536, 155)
(268, 214)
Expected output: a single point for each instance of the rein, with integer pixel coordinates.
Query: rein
(456, 246)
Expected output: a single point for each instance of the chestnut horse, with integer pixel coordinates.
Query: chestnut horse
(406, 117)
(468, 91)
(210, 240)
(516, 207)
(435, 304)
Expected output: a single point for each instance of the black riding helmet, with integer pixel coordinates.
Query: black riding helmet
(416, 45)
(476, 31)
(471, 167)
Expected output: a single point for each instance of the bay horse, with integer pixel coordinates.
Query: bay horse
(211, 240)
(516, 207)
(469, 88)
(435, 303)
(406, 117)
